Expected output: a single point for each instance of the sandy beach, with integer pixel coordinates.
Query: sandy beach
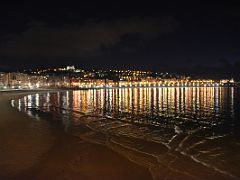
(39, 149)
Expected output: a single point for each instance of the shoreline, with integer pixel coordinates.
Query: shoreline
(99, 88)
(31, 149)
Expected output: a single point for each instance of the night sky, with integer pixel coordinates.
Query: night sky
(168, 36)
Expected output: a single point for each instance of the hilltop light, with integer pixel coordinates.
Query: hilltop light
(70, 68)
(232, 80)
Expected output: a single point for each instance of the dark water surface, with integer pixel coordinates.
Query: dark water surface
(175, 133)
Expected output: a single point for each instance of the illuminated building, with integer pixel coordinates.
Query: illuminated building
(70, 77)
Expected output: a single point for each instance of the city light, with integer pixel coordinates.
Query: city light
(71, 77)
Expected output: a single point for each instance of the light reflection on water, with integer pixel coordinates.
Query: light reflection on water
(158, 101)
(197, 126)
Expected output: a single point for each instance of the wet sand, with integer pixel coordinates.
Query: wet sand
(39, 149)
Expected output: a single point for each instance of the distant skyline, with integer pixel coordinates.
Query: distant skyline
(170, 36)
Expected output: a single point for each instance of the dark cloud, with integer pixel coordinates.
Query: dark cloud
(89, 39)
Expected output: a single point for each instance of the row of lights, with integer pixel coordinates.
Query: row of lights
(145, 84)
